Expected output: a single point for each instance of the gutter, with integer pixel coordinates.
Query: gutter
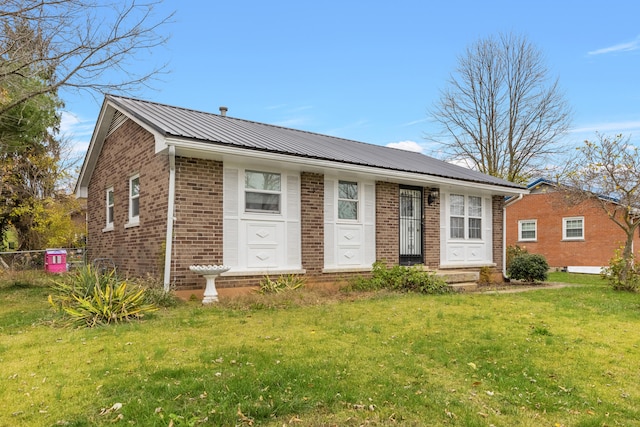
(504, 234)
(170, 217)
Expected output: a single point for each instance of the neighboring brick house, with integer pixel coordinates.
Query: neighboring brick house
(577, 236)
(169, 187)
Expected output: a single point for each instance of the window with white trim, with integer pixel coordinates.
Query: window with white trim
(134, 199)
(527, 230)
(475, 217)
(109, 207)
(456, 211)
(263, 191)
(573, 228)
(347, 200)
(465, 217)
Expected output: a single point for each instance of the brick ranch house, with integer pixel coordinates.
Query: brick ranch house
(169, 187)
(578, 237)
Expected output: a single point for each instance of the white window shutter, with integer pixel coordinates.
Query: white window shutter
(369, 223)
(329, 223)
(293, 221)
(230, 208)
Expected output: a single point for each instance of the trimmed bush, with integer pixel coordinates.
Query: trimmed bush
(513, 252)
(528, 267)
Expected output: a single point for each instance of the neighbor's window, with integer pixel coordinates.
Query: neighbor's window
(262, 192)
(134, 199)
(527, 230)
(347, 200)
(109, 205)
(573, 228)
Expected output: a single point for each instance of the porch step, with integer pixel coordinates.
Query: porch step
(458, 276)
(464, 286)
(460, 281)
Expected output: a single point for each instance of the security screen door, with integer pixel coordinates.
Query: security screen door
(410, 226)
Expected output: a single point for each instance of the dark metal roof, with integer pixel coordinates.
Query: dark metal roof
(217, 129)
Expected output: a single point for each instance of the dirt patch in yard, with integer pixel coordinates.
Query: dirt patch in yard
(513, 287)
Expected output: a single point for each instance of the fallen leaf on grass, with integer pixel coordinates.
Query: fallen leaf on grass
(115, 407)
(450, 414)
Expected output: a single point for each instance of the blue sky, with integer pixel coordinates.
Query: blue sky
(370, 70)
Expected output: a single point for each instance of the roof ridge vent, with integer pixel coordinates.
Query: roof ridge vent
(223, 111)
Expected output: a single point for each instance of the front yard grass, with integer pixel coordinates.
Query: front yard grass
(547, 357)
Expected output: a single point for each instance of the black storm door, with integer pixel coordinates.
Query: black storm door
(411, 226)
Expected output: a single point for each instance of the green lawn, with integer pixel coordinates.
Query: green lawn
(547, 357)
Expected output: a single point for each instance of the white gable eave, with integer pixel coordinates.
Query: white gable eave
(109, 119)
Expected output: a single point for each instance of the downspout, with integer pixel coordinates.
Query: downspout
(504, 234)
(170, 217)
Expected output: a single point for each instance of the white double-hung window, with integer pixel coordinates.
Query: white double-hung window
(262, 192)
(527, 230)
(109, 203)
(347, 200)
(465, 217)
(573, 228)
(134, 200)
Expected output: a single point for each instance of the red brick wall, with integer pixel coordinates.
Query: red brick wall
(312, 222)
(387, 223)
(197, 230)
(431, 231)
(138, 250)
(601, 236)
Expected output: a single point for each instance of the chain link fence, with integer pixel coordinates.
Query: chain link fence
(34, 260)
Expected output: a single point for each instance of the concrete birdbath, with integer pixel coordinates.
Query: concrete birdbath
(209, 272)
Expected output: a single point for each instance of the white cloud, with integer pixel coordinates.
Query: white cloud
(621, 47)
(616, 127)
(77, 132)
(406, 145)
(414, 122)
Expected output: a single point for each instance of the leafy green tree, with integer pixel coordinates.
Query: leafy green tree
(29, 149)
(47, 46)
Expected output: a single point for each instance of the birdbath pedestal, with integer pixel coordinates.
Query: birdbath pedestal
(209, 272)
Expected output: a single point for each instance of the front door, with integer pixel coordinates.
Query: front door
(410, 226)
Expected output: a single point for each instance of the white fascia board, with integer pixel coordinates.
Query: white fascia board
(227, 153)
(97, 140)
(93, 151)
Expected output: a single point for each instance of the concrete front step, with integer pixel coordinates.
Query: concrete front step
(464, 286)
(458, 276)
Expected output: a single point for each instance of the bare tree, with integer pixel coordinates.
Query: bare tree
(501, 113)
(608, 171)
(74, 44)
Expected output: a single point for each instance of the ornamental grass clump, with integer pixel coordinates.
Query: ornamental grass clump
(90, 299)
(284, 283)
